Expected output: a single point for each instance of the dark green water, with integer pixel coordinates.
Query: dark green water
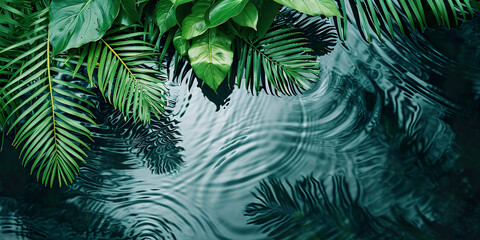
(385, 146)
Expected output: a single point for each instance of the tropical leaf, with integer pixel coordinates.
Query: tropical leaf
(320, 33)
(127, 73)
(313, 7)
(129, 13)
(181, 45)
(194, 24)
(165, 15)
(248, 17)
(9, 33)
(380, 16)
(48, 122)
(223, 10)
(267, 10)
(279, 61)
(180, 2)
(211, 57)
(74, 23)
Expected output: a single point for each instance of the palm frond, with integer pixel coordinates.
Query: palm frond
(380, 16)
(320, 32)
(280, 61)
(128, 73)
(46, 110)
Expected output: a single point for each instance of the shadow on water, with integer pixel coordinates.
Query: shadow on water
(328, 208)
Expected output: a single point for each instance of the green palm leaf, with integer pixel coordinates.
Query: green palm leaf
(127, 73)
(46, 111)
(385, 15)
(279, 61)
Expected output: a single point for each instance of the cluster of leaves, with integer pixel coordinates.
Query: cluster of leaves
(380, 16)
(53, 52)
(215, 36)
(43, 93)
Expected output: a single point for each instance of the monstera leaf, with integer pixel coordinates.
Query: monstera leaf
(76, 22)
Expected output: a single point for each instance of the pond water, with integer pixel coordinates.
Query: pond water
(386, 145)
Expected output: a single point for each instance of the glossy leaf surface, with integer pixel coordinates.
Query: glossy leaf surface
(211, 57)
(224, 10)
(180, 44)
(248, 17)
(76, 22)
(128, 13)
(165, 15)
(180, 2)
(268, 9)
(312, 7)
(194, 24)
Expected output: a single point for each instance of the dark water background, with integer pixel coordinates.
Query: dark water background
(385, 146)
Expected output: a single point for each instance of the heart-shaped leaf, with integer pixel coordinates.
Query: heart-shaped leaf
(248, 17)
(267, 10)
(76, 22)
(224, 10)
(180, 44)
(194, 24)
(165, 15)
(211, 57)
(128, 13)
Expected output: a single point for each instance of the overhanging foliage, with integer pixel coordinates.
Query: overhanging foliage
(53, 53)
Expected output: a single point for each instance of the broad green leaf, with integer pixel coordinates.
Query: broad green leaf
(194, 24)
(313, 7)
(180, 44)
(182, 11)
(211, 57)
(165, 15)
(180, 2)
(128, 13)
(224, 10)
(268, 9)
(248, 17)
(76, 22)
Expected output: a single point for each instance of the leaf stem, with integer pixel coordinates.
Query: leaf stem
(51, 89)
(119, 58)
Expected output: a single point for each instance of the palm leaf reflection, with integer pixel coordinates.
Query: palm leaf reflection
(157, 143)
(320, 209)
